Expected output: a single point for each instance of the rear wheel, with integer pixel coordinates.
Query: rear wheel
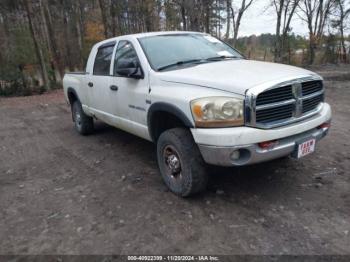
(84, 124)
(180, 162)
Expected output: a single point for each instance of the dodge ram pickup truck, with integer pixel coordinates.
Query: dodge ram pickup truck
(200, 101)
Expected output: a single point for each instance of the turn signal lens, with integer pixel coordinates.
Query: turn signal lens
(268, 144)
(197, 110)
(324, 125)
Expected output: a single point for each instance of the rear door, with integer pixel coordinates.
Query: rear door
(99, 82)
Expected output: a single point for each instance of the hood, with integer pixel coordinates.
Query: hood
(235, 76)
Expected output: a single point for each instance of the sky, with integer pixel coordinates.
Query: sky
(259, 19)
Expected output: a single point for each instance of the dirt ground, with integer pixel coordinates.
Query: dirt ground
(61, 193)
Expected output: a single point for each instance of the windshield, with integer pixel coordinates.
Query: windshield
(172, 51)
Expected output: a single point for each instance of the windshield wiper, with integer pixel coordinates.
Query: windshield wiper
(179, 63)
(218, 58)
(197, 61)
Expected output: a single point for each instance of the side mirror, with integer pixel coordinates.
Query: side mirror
(130, 69)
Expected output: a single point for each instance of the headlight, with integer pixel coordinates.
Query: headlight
(217, 112)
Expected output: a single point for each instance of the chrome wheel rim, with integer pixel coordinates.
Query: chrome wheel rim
(172, 162)
(78, 119)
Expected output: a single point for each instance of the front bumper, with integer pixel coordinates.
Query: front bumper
(217, 145)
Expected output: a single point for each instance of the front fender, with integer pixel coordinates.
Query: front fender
(168, 108)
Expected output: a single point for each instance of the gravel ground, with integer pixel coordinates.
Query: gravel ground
(61, 193)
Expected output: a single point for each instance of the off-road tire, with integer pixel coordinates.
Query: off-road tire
(83, 123)
(194, 176)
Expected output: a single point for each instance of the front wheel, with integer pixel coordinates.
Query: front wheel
(180, 162)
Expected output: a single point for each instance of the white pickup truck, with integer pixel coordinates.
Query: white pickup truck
(200, 101)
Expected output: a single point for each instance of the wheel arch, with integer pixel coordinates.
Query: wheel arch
(162, 116)
(72, 95)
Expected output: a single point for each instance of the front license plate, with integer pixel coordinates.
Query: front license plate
(306, 148)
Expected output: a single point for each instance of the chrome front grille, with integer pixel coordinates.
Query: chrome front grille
(274, 114)
(275, 95)
(311, 103)
(311, 87)
(284, 103)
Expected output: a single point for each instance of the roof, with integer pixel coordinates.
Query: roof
(139, 35)
(164, 33)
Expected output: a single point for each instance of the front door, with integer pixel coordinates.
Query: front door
(131, 93)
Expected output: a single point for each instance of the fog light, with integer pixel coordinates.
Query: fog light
(235, 155)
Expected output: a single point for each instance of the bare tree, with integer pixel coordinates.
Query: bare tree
(8, 42)
(228, 22)
(285, 10)
(55, 55)
(341, 15)
(237, 15)
(105, 6)
(78, 9)
(195, 15)
(5, 22)
(316, 14)
(65, 16)
(206, 15)
(183, 12)
(38, 49)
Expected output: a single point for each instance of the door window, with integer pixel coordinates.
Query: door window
(124, 56)
(103, 60)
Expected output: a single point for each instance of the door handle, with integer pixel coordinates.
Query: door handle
(90, 84)
(114, 88)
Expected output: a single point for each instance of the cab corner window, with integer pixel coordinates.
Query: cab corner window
(103, 60)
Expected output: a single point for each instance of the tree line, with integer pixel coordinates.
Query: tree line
(41, 39)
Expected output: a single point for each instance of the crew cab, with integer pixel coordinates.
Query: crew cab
(200, 101)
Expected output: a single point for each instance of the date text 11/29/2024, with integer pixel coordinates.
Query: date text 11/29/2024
(173, 258)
